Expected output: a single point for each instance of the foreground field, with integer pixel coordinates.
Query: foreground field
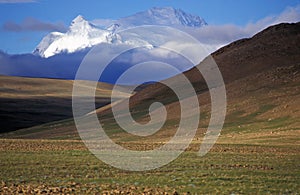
(44, 166)
(258, 151)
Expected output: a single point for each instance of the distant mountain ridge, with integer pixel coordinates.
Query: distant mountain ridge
(83, 34)
(167, 16)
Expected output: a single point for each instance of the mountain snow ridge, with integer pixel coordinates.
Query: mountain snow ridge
(166, 16)
(83, 34)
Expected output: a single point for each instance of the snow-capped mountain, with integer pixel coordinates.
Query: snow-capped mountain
(81, 34)
(166, 16)
(84, 34)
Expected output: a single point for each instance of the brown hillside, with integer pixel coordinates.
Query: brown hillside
(276, 46)
(261, 76)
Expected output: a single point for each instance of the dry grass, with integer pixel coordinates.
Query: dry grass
(67, 167)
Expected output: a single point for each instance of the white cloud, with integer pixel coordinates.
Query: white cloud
(224, 34)
(291, 14)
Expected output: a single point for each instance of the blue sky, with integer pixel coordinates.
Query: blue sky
(46, 15)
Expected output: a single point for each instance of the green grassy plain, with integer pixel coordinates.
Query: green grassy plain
(53, 166)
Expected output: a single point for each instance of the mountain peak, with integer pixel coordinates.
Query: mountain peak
(80, 25)
(80, 22)
(167, 16)
(81, 34)
(78, 19)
